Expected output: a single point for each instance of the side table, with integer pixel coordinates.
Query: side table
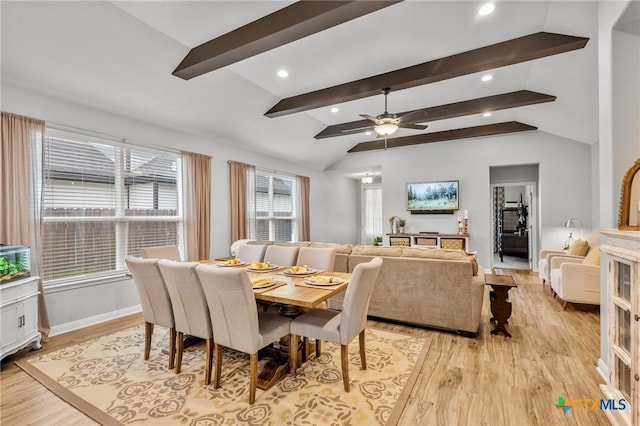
(500, 305)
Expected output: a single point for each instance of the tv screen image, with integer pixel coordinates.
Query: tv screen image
(432, 196)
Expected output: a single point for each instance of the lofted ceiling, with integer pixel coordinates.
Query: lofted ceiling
(119, 57)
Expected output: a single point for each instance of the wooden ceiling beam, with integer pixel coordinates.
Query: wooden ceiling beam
(522, 49)
(456, 109)
(445, 135)
(288, 24)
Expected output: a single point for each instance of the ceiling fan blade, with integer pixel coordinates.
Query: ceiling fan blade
(413, 116)
(413, 126)
(370, 117)
(358, 129)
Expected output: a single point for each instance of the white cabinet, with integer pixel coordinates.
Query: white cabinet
(622, 251)
(19, 316)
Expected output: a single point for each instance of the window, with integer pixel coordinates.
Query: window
(275, 207)
(371, 212)
(102, 202)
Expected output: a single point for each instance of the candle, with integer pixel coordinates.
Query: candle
(459, 219)
(466, 214)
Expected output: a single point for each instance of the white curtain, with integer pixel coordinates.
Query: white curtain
(371, 213)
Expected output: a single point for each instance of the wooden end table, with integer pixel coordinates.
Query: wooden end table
(500, 305)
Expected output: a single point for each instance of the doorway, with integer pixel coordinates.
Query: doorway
(514, 217)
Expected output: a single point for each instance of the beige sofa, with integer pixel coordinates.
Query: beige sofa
(427, 287)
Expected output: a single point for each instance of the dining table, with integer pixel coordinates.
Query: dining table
(293, 292)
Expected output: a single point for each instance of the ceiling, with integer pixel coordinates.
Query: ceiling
(119, 57)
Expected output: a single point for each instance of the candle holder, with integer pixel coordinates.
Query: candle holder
(460, 226)
(465, 226)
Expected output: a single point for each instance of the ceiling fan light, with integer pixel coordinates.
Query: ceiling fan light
(385, 129)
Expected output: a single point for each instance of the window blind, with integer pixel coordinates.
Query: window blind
(275, 207)
(102, 202)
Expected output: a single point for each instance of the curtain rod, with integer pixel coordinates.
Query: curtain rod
(277, 172)
(87, 132)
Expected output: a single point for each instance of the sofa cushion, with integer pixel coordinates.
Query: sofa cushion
(593, 257)
(376, 251)
(579, 248)
(340, 248)
(443, 254)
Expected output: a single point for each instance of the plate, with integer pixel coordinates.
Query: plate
(323, 280)
(262, 283)
(225, 264)
(309, 271)
(265, 269)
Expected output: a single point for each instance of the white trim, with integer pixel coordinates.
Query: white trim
(86, 322)
(603, 370)
(67, 284)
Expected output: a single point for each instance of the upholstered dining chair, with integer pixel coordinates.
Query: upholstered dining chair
(190, 309)
(321, 258)
(341, 327)
(281, 255)
(251, 252)
(161, 252)
(155, 300)
(235, 319)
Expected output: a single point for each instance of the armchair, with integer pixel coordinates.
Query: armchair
(574, 251)
(575, 281)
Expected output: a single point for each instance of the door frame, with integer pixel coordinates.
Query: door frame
(533, 227)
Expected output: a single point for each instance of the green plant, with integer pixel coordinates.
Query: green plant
(9, 268)
(377, 239)
(402, 222)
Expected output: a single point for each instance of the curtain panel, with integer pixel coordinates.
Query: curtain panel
(304, 225)
(21, 209)
(196, 175)
(242, 178)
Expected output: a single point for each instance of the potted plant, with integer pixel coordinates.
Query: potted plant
(401, 224)
(377, 241)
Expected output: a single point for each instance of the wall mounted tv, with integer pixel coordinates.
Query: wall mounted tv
(432, 197)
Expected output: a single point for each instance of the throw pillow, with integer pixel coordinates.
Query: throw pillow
(579, 248)
(593, 258)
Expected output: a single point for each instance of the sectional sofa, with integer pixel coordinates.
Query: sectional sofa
(434, 288)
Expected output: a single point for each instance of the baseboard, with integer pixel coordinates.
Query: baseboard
(86, 322)
(603, 370)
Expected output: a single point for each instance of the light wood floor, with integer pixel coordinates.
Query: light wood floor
(487, 380)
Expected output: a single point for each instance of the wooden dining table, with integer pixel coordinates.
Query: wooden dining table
(294, 295)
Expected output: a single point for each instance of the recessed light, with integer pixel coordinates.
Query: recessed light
(283, 73)
(486, 9)
(487, 77)
(334, 109)
(367, 133)
(486, 114)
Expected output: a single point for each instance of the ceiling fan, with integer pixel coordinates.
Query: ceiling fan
(387, 123)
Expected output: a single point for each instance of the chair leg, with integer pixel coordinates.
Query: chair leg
(253, 367)
(305, 348)
(344, 359)
(363, 357)
(172, 347)
(293, 354)
(179, 352)
(318, 348)
(148, 331)
(218, 370)
(209, 361)
(564, 305)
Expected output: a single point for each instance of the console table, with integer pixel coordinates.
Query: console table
(446, 241)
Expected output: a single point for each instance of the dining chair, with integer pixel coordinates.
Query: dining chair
(281, 255)
(190, 309)
(251, 252)
(161, 252)
(235, 319)
(341, 327)
(322, 258)
(155, 300)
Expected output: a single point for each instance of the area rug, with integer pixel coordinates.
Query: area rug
(108, 380)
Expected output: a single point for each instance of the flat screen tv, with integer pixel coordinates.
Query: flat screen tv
(432, 197)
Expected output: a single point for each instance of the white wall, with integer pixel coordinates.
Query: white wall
(564, 180)
(334, 215)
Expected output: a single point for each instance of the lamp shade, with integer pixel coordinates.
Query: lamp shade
(573, 222)
(385, 129)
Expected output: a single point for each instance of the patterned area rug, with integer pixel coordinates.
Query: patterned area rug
(107, 379)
